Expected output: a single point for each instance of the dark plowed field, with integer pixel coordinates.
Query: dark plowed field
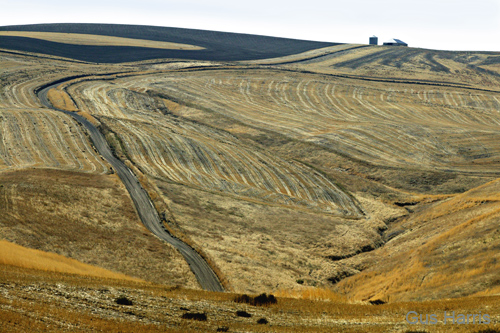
(219, 46)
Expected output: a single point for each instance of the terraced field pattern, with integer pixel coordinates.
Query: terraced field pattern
(398, 126)
(34, 137)
(300, 165)
(200, 156)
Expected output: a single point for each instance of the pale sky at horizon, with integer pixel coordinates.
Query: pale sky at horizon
(434, 24)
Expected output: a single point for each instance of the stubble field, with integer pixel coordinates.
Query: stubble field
(370, 172)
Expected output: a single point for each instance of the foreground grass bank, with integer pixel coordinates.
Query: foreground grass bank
(35, 300)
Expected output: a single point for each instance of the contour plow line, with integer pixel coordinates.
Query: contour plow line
(145, 208)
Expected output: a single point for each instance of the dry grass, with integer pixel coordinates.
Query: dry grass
(85, 217)
(478, 196)
(383, 142)
(446, 249)
(389, 63)
(89, 117)
(45, 139)
(85, 39)
(312, 293)
(303, 56)
(373, 138)
(203, 157)
(386, 134)
(263, 247)
(365, 139)
(19, 256)
(37, 300)
(61, 100)
(169, 220)
(395, 126)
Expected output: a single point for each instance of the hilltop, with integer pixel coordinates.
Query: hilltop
(213, 45)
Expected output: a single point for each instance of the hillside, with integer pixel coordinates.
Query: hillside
(216, 46)
(58, 302)
(446, 247)
(356, 172)
(18, 256)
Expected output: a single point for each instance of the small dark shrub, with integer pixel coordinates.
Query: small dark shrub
(262, 299)
(262, 321)
(300, 281)
(195, 316)
(242, 299)
(243, 314)
(223, 329)
(122, 300)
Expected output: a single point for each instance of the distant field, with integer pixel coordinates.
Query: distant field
(472, 69)
(218, 46)
(84, 39)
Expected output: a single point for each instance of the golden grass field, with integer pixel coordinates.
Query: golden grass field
(449, 248)
(329, 178)
(19, 256)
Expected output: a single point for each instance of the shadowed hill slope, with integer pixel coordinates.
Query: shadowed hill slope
(219, 46)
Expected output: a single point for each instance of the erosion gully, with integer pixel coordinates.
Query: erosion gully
(149, 216)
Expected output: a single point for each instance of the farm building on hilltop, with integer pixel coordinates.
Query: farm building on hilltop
(395, 42)
(374, 40)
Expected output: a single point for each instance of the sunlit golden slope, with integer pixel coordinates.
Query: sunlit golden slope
(19, 256)
(448, 248)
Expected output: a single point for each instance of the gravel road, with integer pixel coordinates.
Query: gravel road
(144, 206)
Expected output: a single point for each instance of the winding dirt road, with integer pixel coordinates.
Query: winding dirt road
(144, 206)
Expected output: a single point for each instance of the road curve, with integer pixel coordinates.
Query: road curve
(145, 208)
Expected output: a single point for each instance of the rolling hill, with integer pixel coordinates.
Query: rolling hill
(293, 167)
(216, 46)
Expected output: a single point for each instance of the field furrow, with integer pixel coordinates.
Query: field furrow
(365, 121)
(394, 125)
(196, 157)
(45, 139)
